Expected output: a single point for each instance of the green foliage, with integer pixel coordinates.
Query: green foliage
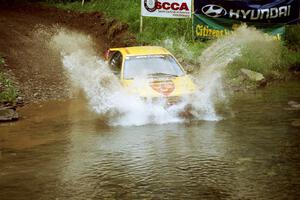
(2, 61)
(155, 29)
(290, 58)
(293, 37)
(263, 57)
(175, 34)
(8, 92)
(271, 59)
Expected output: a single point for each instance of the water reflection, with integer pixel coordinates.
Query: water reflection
(134, 163)
(71, 154)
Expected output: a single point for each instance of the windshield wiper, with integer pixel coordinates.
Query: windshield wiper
(162, 74)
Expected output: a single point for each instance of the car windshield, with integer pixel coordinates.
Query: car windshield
(152, 65)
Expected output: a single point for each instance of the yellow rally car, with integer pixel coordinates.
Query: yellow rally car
(155, 66)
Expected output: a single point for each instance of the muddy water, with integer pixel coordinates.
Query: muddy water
(60, 150)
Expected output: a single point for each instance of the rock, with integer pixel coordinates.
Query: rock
(296, 123)
(20, 100)
(8, 114)
(252, 75)
(263, 83)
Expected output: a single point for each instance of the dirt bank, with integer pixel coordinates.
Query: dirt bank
(37, 71)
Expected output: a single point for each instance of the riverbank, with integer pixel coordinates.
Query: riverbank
(30, 69)
(25, 32)
(8, 95)
(276, 61)
(38, 73)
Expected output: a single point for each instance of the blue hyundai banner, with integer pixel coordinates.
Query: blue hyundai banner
(215, 18)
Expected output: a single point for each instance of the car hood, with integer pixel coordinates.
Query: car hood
(160, 86)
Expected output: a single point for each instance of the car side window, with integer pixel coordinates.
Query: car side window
(115, 63)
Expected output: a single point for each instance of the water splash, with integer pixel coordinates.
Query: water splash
(108, 98)
(104, 92)
(210, 67)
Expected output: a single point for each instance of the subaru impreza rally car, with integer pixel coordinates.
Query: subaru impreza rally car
(150, 72)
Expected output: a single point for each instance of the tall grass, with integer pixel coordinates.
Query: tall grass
(263, 57)
(176, 35)
(128, 11)
(293, 37)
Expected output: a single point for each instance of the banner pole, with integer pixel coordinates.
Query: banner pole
(141, 24)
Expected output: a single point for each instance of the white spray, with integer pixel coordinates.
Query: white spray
(103, 90)
(213, 61)
(106, 96)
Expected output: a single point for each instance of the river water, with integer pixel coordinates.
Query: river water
(60, 150)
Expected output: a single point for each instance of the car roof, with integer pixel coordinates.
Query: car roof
(141, 50)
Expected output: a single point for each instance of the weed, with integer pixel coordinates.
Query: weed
(176, 35)
(8, 92)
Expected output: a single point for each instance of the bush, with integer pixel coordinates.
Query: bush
(293, 37)
(263, 57)
(8, 92)
(270, 59)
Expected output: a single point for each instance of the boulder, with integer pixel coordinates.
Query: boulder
(8, 114)
(252, 75)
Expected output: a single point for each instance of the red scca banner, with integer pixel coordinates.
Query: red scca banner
(167, 8)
